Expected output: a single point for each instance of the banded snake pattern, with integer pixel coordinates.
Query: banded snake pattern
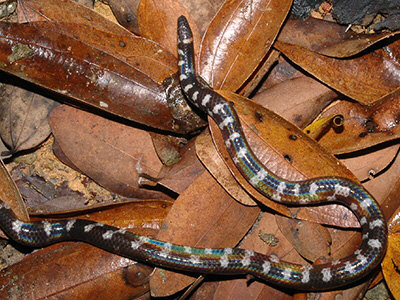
(229, 261)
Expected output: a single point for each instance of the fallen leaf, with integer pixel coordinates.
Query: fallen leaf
(165, 14)
(327, 38)
(287, 152)
(391, 261)
(365, 78)
(23, 118)
(126, 12)
(299, 100)
(364, 126)
(113, 154)
(216, 166)
(237, 40)
(179, 176)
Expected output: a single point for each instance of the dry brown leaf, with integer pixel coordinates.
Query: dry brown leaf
(93, 30)
(202, 11)
(113, 154)
(237, 40)
(366, 78)
(391, 262)
(23, 118)
(158, 19)
(9, 193)
(369, 164)
(299, 100)
(327, 38)
(179, 176)
(126, 12)
(287, 152)
(216, 166)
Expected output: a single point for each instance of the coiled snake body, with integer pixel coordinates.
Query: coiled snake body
(229, 260)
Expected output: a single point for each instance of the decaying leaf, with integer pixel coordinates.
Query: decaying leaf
(23, 118)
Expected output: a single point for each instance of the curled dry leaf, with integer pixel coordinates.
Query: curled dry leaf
(327, 38)
(364, 126)
(23, 118)
(112, 154)
(366, 78)
(81, 271)
(204, 215)
(165, 14)
(237, 40)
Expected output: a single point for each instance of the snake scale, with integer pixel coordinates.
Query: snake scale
(229, 261)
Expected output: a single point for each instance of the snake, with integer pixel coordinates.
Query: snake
(229, 261)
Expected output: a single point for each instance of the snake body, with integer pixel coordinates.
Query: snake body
(229, 260)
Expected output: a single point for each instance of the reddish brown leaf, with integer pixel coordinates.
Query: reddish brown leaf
(204, 215)
(299, 100)
(362, 78)
(112, 154)
(237, 40)
(93, 30)
(327, 38)
(9, 193)
(283, 249)
(158, 19)
(370, 164)
(202, 11)
(216, 166)
(391, 262)
(179, 176)
(312, 241)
